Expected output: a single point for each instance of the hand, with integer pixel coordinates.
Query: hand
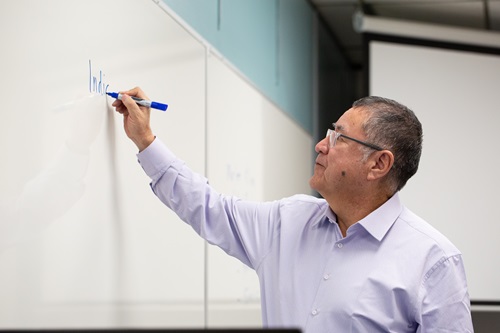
(136, 119)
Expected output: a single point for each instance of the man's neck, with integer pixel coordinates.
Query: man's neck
(352, 211)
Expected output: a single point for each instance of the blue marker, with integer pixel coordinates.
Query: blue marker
(143, 102)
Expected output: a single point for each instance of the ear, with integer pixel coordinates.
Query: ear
(380, 163)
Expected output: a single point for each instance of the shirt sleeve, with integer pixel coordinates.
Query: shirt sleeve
(445, 304)
(243, 229)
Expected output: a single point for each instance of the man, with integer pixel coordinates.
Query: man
(355, 261)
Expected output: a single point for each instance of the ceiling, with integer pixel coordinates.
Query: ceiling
(337, 15)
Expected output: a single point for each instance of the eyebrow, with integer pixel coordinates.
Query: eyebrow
(337, 128)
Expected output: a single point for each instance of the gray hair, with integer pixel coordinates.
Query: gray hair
(395, 127)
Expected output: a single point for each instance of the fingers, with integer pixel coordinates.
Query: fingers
(119, 107)
(136, 119)
(130, 105)
(124, 108)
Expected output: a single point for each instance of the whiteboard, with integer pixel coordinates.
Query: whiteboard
(456, 189)
(84, 243)
(83, 240)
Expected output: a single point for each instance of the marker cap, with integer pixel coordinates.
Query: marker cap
(159, 106)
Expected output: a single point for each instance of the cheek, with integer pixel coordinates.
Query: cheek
(341, 166)
(337, 166)
(335, 173)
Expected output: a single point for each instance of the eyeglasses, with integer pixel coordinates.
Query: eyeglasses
(334, 135)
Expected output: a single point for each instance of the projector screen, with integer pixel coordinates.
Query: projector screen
(455, 94)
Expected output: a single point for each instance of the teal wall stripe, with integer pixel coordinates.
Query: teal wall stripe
(295, 60)
(269, 41)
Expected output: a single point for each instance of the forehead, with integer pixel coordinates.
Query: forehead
(351, 121)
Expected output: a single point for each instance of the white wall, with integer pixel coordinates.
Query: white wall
(454, 94)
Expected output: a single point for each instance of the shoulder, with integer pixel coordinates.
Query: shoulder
(303, 208)
(426, 235)
(301, 201)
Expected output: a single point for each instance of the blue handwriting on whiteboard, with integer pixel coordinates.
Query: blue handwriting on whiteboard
(96, 84)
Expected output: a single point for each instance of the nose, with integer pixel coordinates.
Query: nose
(322, 146)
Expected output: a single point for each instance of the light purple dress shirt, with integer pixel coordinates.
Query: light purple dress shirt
(393, 272)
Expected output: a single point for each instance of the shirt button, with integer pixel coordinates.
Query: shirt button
(326, 276)
(314, 312)
(339, 245)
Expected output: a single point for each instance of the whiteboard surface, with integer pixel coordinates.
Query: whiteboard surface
(83, 241)
(454, 94)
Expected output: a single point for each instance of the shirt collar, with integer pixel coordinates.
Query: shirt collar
(326, 215)
(378, 222)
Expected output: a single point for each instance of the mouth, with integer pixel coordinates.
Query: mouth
(318, 164)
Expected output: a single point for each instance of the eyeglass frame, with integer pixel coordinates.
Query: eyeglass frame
(333, 139)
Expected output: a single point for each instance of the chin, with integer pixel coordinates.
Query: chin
(313, 183)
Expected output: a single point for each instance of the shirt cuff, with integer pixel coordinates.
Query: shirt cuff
(156, 158)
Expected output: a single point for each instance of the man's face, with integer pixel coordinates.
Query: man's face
(339, 170)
